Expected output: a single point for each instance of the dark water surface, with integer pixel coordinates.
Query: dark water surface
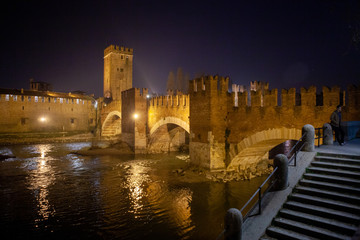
(48, 193)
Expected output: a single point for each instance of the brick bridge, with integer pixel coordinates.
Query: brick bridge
(223, 127)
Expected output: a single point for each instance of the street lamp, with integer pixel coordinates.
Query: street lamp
(136, 116)
(42, 119)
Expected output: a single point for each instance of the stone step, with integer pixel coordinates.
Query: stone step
(332, 179)
(329, 194)
(308, 230)
(338, 155)
(324, 202)
(337, 160)
(281, 233)
(330, 224)
(342, 166)
(323, 212)
(335, 172)
(330, 186)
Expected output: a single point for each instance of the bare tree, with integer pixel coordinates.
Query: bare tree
(170, 85)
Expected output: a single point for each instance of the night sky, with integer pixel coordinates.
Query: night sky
(286, 43)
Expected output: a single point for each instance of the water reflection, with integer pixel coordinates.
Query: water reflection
(40, 179)
(137, 177)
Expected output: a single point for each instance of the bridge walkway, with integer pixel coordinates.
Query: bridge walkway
(284, 220)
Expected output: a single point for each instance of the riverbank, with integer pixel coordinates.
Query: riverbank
(37, 138)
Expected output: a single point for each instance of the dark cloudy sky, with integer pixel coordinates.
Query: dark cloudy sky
(286, 43)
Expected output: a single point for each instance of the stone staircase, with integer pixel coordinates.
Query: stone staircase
(325, 204)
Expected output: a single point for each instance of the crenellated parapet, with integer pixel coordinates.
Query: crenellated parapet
(331, 96)
(170, 101)
(208, 84)
(288, 97)
(308, 96)
(118, 49)
(354, 96)
(270, 98)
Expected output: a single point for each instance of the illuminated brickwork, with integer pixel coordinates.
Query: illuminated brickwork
(221, 128)
(39, 111)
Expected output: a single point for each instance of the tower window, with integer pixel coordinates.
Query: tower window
(122, 56)
(121, 70)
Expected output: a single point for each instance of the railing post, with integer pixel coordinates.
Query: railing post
(233, 224)
(259, 200)
(295, 158)
(281, 162)
(309, 138)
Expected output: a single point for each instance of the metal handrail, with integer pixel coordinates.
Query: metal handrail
(319, 136)
(258, 191)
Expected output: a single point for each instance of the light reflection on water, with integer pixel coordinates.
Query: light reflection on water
(49, 192)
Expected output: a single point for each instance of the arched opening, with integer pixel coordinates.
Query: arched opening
(112, 124)
(168, 138)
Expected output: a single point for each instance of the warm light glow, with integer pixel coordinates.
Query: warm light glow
(42, 119)
(136, 116)
(147, 96)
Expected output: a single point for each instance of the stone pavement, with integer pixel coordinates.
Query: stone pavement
(254, 227)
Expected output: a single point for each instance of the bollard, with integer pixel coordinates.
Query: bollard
(309, 138)
(281, 162)
(328, 134)
(233, 224)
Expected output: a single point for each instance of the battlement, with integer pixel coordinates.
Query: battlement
(119, 50)
(208, 84)
(134, 92)
(170, 101)
(288, 97)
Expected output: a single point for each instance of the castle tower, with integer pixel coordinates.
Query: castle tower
(118, 65)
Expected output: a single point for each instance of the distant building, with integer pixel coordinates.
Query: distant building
(39, 86)
(45, 111)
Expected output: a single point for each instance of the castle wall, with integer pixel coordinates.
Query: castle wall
(134, 130)
(217, 124)
(45, 112)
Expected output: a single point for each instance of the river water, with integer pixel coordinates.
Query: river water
(48, 193)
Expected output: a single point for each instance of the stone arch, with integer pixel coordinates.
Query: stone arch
(239, 152)
(112, 124)
(171, 120)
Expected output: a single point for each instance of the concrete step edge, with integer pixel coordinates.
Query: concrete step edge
(282, 233)
(338, 187)
(325, 177)
(340, 160)
(331, 171)
(329, 203)
(337, 155)
(329, 194)
(326, 212)
(312, 231)
(338, 226)
(337, 165)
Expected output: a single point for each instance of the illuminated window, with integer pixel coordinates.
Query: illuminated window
(55, 100)
(77, 101)
(67, 100)
(61, 100)
(72, 101)
(29, 98)
(43, 99)
(7, 97)
(36, 98)
(15, 98)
